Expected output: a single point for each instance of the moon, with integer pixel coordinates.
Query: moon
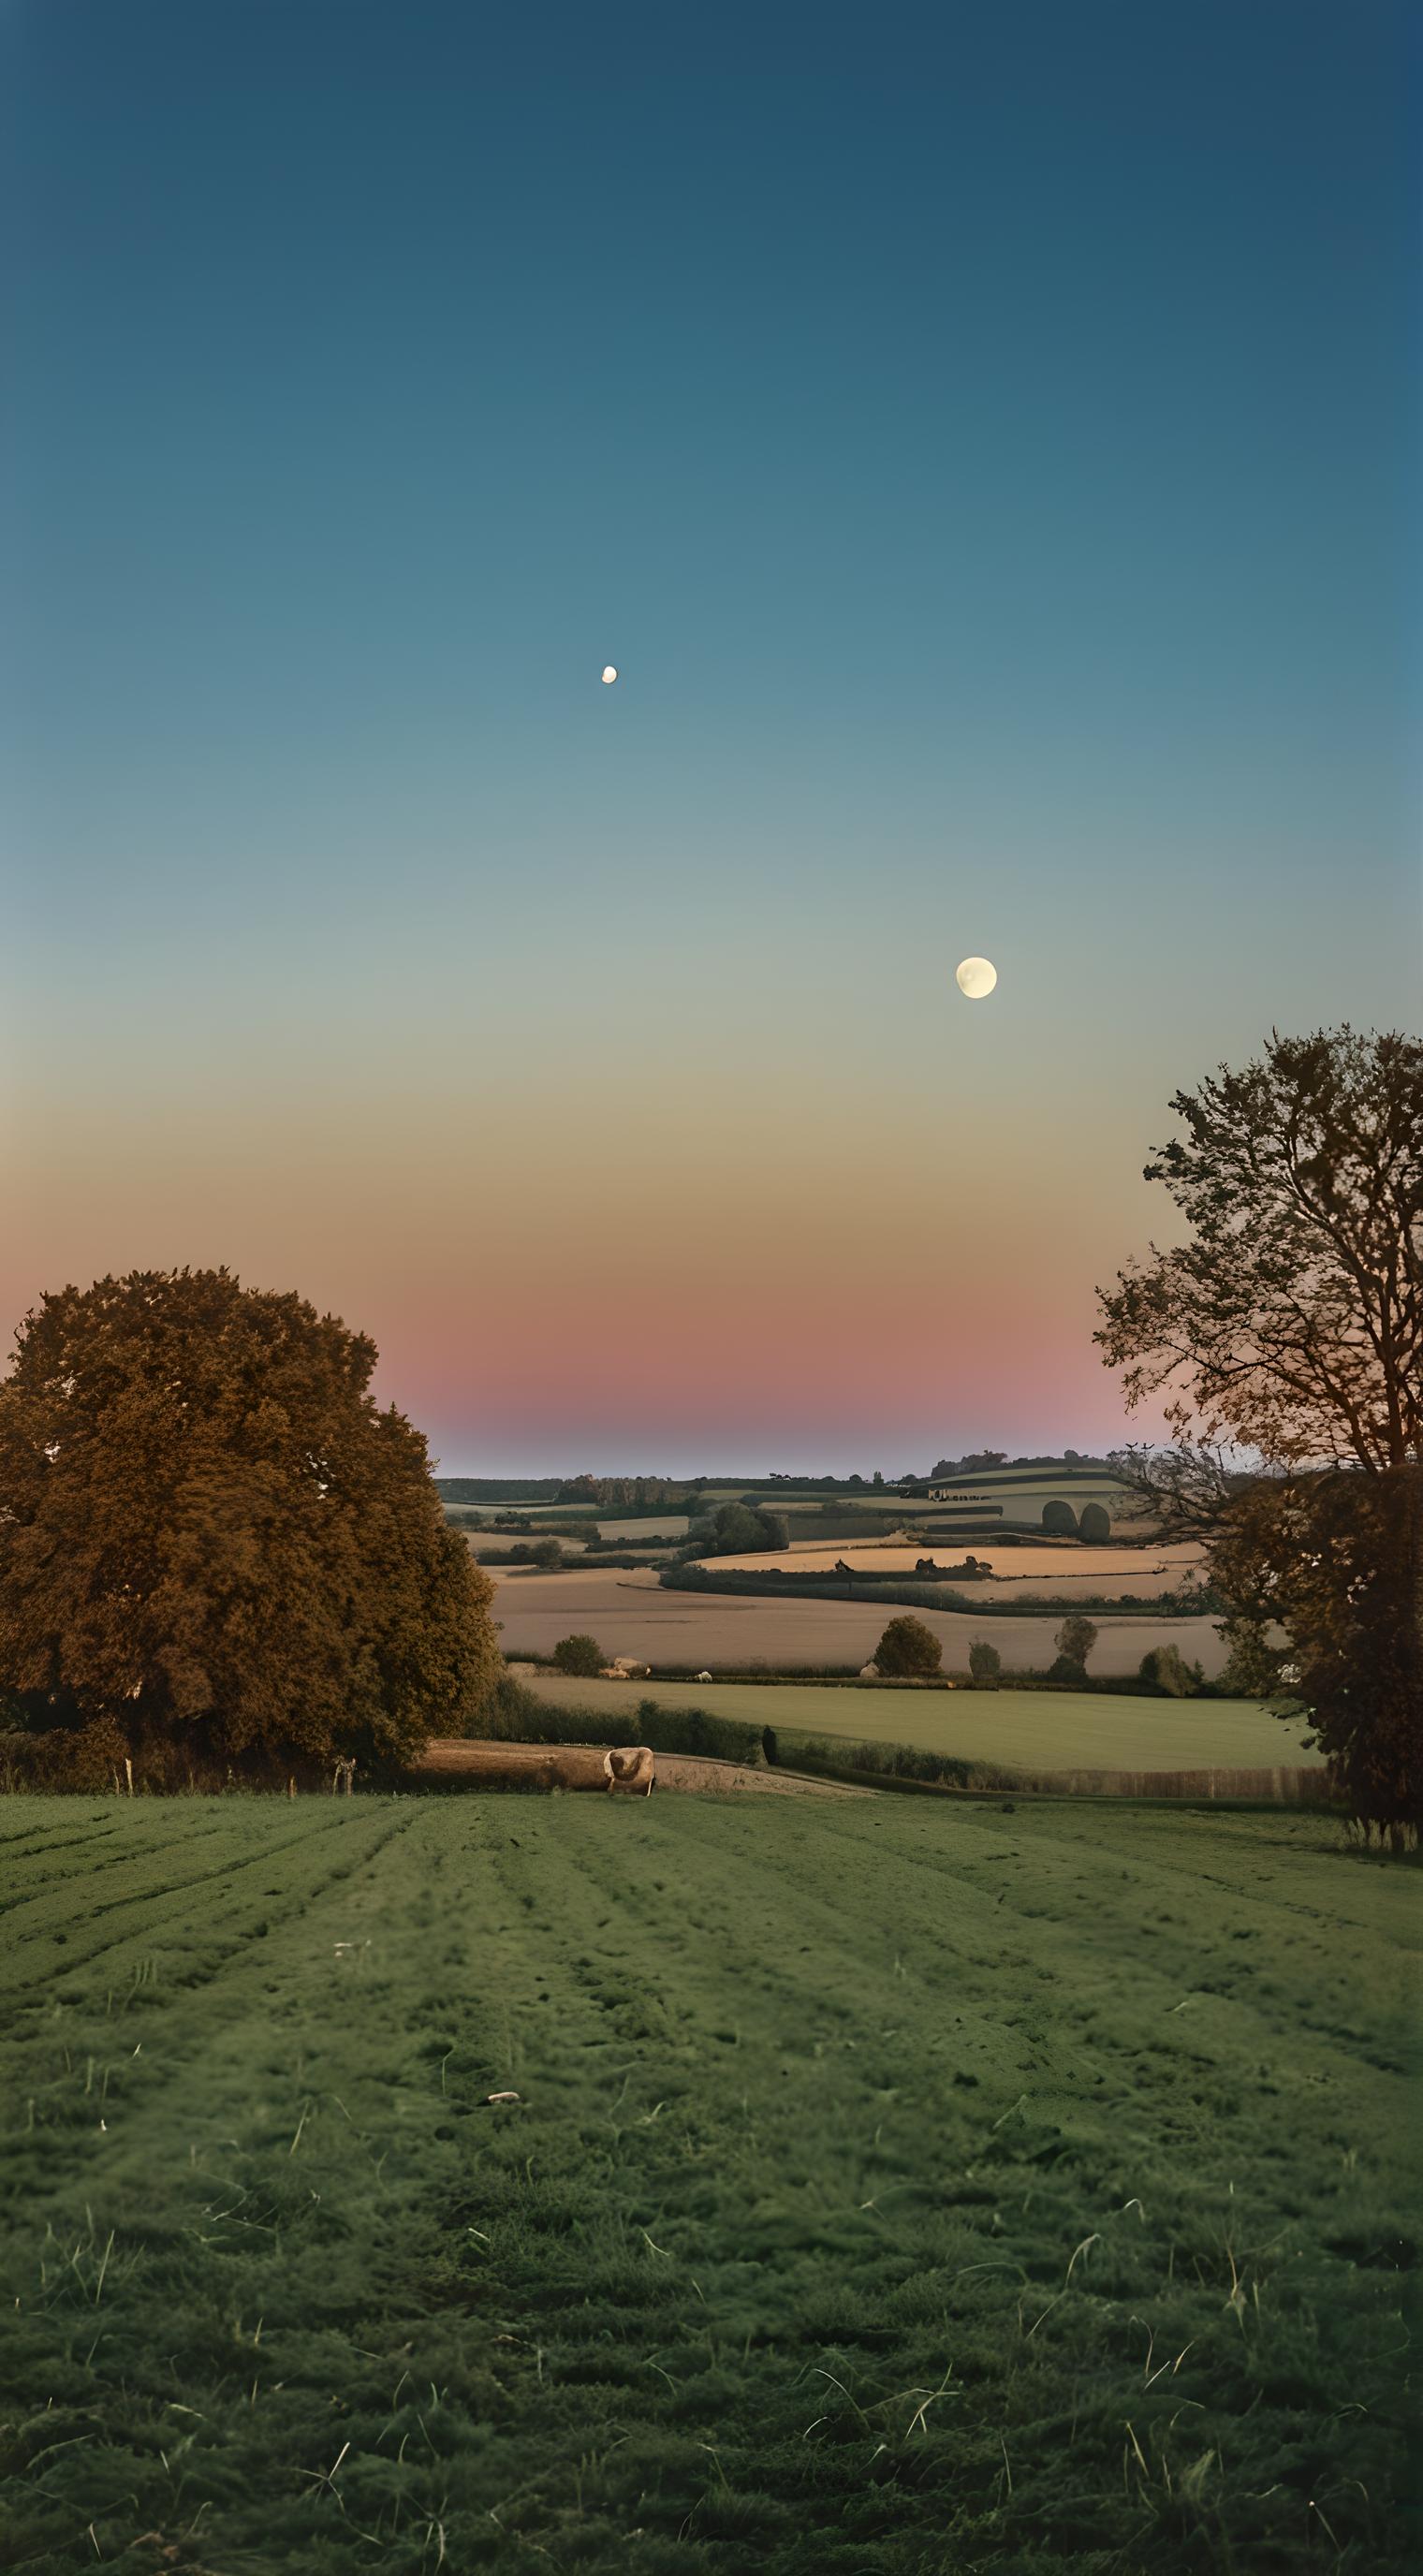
(976, 977)
(610, 673)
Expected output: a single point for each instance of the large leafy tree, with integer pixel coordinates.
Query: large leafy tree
(1291, 1319)
(212, 1535)
(1285, 1337)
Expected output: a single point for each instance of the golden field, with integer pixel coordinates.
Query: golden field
(630, 1613)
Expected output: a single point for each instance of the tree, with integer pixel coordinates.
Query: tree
(1095, 1524)
(737, 1529)
(985, 1663)
(908, 1648)
(1292, 1322)
(1324, 1575)
(1286, 1337)
(1075, 1639)
(1060, 1519)
(211, 1535)
(1164, 1668)
(581, 1655)
(546, 1552)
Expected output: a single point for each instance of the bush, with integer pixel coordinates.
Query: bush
(581, 1655)
(1059, 1519)
(1165, 1669)
(546, 1551)
(1095, 1524)
(985, 1663)
(908, 1647)
(737, 1529)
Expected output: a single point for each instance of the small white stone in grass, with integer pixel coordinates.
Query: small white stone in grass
(503, 2097)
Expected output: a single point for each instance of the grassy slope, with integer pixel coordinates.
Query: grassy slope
(892, 2190)
(1060, 1730)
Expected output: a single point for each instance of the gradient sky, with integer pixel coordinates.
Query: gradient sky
(984, 437)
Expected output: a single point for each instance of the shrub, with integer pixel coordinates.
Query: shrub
(1165, 1669)
(736, 1529)
(519, 1716)
(1095, 1524)
(1059, 1519)
(546, 1551)
(985, 1663)
(909, 1647)
(581, 1655)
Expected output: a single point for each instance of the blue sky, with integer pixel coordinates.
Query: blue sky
(985, 437)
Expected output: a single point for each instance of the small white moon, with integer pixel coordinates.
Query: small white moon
(976, 977)
(610, 673)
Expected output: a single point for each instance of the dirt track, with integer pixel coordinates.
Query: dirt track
(580, 1766)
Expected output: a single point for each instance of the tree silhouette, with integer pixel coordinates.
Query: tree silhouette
(1290, 1325)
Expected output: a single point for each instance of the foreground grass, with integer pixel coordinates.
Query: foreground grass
(1046, 1730)
(892, 2188)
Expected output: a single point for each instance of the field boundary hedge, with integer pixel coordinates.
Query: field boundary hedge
(937, 1593)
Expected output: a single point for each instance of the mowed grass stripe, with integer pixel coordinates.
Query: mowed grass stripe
(44, 1870)
(176, 1909)
(841, 2194)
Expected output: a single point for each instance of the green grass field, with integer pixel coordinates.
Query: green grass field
(892, 2187)
(1053, 1730)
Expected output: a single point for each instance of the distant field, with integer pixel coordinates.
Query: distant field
(1052, 1730)
(1068, 1569)
(631, 1614)
(649, 1526)
(643, 1525)
(890, 2189)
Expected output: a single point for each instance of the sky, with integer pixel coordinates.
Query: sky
(984, 438)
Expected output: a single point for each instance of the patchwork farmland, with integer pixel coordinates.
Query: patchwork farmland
(631, 1613)
(864, 2186)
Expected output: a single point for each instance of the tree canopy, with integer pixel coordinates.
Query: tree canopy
(1291, 1321)
(909, 1647)
(737, 1529)
(1075, 1639)
(211, 1534)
